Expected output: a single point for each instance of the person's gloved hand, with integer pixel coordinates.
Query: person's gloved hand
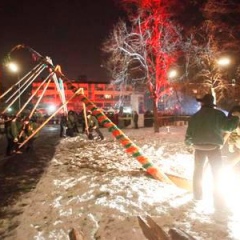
(231, 148)
(15, 140)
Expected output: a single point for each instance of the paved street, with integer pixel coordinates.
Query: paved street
(20, 174)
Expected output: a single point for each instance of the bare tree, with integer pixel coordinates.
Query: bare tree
(142, 50)
(216, 37)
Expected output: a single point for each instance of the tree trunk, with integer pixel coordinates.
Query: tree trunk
(155, 116)
(214, 95)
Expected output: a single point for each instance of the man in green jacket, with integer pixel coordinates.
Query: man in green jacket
(205, 133)
(93, 125)
(13, 128)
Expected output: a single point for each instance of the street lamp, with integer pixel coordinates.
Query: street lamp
(172, 74)
(13, 67)
(224, 61)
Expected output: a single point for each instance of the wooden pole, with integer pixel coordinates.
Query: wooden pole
(48, 119)
(85, 116)
(16, 84)
(13, 101)
(31, 97)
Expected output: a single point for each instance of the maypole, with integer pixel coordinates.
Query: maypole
(129, 146)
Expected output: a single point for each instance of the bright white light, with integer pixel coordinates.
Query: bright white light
(223, 61)
(107, 96)
(208, 184)
(127, 110)
(51, 108)
(9, 109)
(172, 74)
(13, 67)
(229, 188)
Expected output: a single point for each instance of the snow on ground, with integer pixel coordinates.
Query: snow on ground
(96, 188)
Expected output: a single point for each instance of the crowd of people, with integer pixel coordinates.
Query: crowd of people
(18, 129)
(73, 123)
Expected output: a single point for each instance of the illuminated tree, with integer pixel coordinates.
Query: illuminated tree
(142, 50)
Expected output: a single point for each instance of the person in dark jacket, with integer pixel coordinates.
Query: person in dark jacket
(9, 136)
(205, 133)
(30, 127)
(63, 125)
(70, 124)
(135, 119)
(13, 127)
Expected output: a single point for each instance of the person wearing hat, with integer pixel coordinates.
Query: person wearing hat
(93, 125)
(205, 134)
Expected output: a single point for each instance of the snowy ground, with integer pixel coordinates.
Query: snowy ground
(96, 188)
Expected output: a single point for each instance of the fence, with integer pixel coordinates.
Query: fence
(173, 120)
(162, 120)
(126, 121)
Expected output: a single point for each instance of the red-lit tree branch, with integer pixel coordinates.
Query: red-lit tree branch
(142, 50)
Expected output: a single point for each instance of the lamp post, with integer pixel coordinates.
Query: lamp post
(172, 74)
(13, 67)
(224, 61)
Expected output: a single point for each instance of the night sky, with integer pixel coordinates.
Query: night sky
(69, 31)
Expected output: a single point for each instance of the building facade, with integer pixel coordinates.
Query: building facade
(103, 95)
